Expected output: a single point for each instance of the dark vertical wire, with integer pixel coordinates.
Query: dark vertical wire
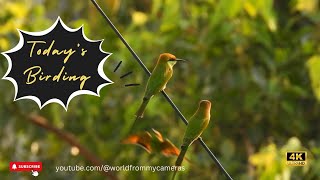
(163, 92)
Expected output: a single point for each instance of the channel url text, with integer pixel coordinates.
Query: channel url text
(107, 168)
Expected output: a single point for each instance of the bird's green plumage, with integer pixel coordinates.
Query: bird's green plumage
(158, 80)
(197, 124)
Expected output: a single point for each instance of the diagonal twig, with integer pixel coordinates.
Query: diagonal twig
(163, 92)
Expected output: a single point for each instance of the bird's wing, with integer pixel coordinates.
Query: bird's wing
(157, 81)
(194, 129)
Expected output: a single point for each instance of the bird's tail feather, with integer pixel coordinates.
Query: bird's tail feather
(180, 159)
(142, 107)
(181, 155)
(139, 113)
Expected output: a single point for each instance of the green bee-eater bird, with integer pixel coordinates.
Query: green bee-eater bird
(158, 80)
(197, 124)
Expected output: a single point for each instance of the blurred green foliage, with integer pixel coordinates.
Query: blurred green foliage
(257, 60)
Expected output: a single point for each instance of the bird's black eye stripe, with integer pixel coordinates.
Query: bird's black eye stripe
(171, 59)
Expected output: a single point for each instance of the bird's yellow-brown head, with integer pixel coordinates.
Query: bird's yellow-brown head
(205, 103)
(205, 107)
(168, 58)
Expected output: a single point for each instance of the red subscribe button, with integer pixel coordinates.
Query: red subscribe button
(25, 166)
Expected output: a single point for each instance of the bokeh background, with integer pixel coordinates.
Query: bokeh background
(258, 61)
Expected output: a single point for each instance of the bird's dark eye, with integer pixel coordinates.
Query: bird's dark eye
(171, 59)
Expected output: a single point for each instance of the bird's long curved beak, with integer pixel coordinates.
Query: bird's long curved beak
(182, 60)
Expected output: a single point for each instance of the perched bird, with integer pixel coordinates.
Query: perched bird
(153, 143)
(197, 124)
(158, 80)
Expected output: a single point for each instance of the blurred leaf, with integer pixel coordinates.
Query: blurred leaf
(153, 143)
(139, 18)
(250, 8)
(313, 65)
(306, 5)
